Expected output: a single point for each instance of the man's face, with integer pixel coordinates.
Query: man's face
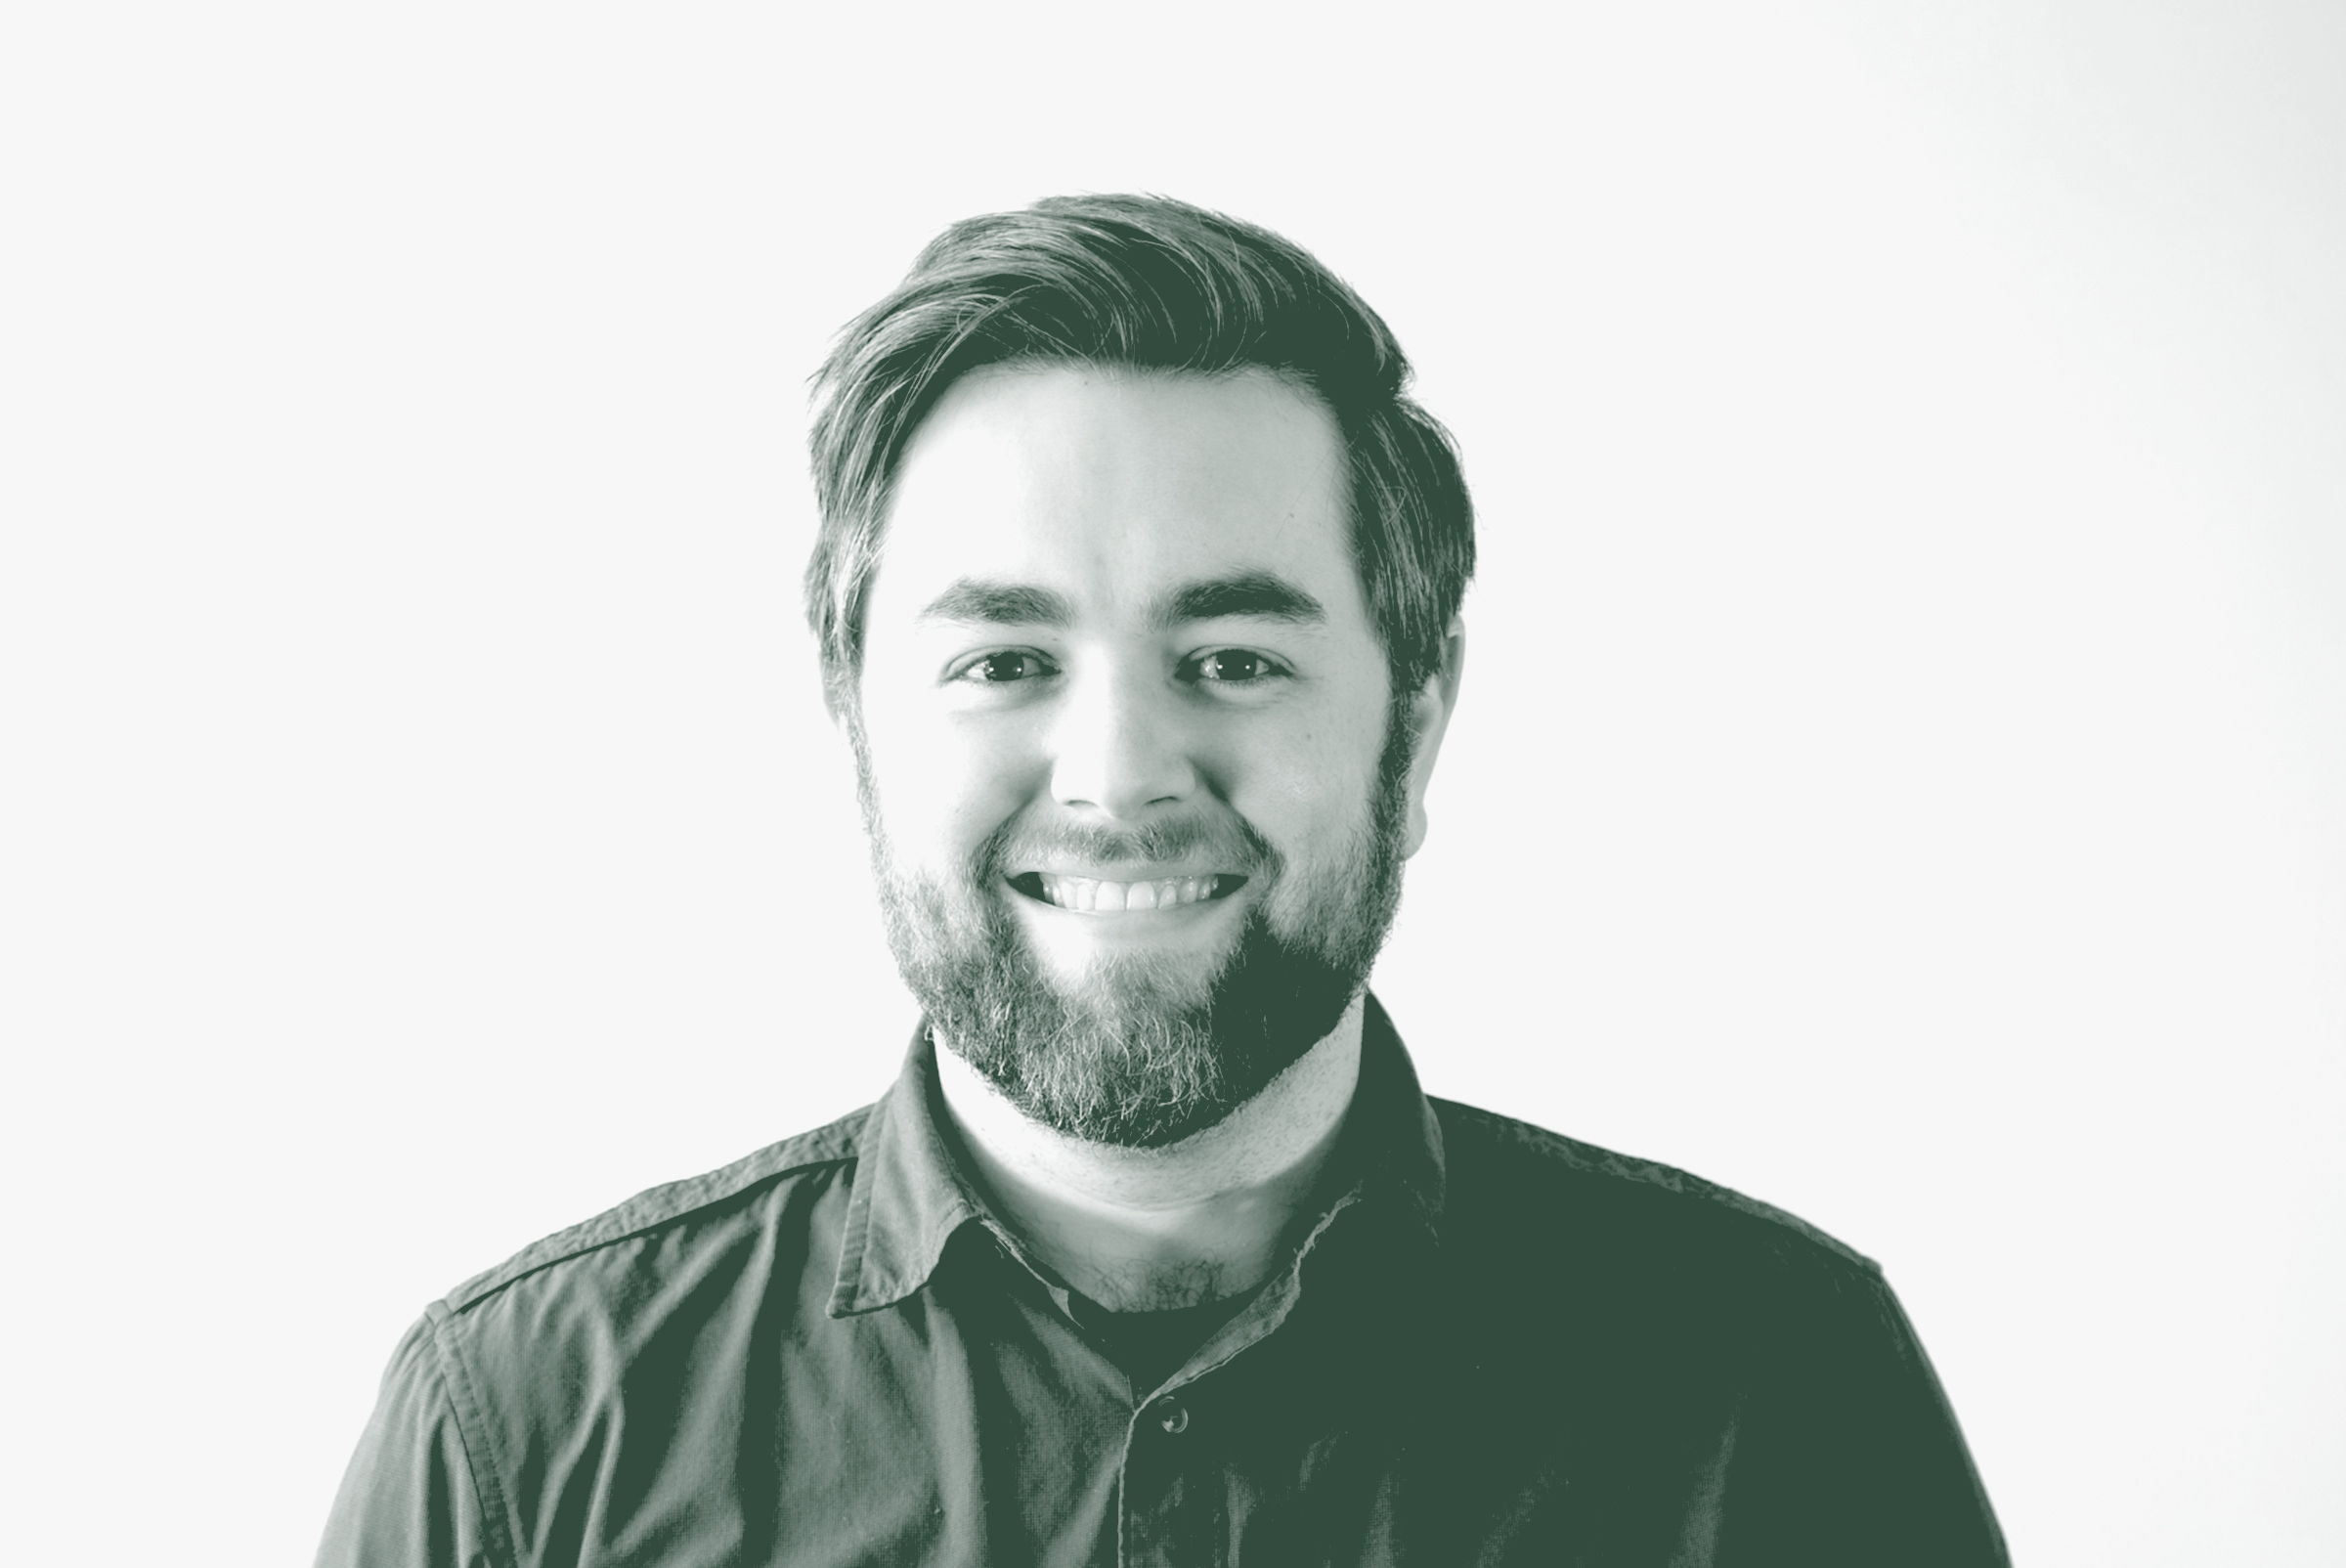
(1137, 809)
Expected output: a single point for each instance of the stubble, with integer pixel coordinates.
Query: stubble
(1142, 1051)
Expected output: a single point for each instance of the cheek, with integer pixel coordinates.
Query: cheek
(1312, 782)
(942, 787)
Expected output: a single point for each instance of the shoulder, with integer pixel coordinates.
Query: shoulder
(650, 1310)
(681, 1224)
(1530, 1181)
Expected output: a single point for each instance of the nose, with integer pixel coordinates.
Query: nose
(1121, 747)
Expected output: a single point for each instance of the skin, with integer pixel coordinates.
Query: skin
(1030, 657)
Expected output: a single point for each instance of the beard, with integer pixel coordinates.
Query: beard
(1144, 1050)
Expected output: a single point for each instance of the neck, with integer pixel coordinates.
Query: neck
(1151, 1228)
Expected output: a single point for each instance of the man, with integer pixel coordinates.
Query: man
(1137, 593)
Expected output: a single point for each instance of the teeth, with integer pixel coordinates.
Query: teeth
(1094, 896)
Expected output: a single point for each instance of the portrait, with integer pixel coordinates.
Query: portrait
(1240, 786)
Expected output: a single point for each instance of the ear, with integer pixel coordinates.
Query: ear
(1428, 719)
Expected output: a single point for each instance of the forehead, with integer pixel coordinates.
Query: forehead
(1110, 486)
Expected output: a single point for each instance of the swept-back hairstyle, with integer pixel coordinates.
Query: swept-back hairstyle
(1154, 284)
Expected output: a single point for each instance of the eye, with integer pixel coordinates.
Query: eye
(1005, 666)
(1233, 666)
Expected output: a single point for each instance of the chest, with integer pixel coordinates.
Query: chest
(991, 1429)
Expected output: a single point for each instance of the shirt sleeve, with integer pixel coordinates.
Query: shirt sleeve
(409, 1499)
(1857, 1458)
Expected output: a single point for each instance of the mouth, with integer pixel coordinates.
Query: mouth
(1093, 896)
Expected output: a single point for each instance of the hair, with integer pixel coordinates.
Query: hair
(1148, 283)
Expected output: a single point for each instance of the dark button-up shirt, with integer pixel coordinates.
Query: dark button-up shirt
(1490, 1345)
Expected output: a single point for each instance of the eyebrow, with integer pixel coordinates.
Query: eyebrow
(982, 603)
(1252, 596)
(1246, 595)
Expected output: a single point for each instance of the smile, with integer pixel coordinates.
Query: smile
(1093, 896)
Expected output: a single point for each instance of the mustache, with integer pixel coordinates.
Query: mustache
(1229, 843)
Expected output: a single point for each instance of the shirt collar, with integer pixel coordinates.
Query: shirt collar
(1395, 1142)
(910, 1198)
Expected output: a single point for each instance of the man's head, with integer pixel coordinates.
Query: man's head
(1137, 587)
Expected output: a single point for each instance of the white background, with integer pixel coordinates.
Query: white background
(1899, 773)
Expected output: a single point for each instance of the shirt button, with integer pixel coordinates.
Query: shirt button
(1173, 1417)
